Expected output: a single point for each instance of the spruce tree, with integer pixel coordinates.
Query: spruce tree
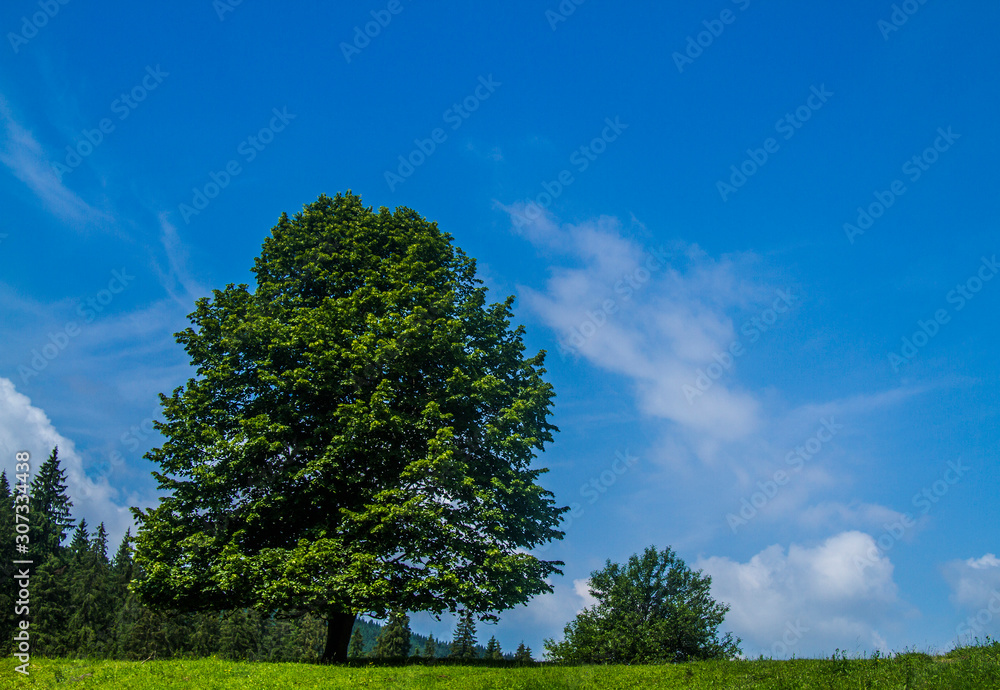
(310, 640)
(240, 635)
(464, 643)
(430, 647)
(50, 509)
(357, 647)
(51, 604)
(206, 637)
(277, 644)
(120, 574)
(49, 520)
(8, 588)
(130, 619)
(493, 649)
(523, 654)
(99, 544)
(287, 637)
(394, 640)
(80, 543)
(90, 628)
(121, 564)
(155, 634)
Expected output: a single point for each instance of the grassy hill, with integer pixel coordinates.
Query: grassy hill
(968, 668)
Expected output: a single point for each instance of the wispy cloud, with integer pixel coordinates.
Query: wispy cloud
(655, 315)
(491, 153)
(668, 320)
(21, 153)
(178, 276)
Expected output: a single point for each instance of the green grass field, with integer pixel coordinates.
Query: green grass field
(975, 668)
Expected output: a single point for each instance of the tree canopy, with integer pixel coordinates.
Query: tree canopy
(654, 608)
(358, 437)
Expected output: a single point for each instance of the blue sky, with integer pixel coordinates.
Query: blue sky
(758, 242)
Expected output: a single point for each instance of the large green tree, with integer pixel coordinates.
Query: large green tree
(358, 438)
(652, 609)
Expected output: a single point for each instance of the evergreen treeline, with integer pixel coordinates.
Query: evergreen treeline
(80, 604)
(368, 633)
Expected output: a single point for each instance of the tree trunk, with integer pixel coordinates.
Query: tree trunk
(338, 636)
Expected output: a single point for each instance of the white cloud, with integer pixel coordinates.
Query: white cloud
(975, 588)
(550, 612)
(989, 562)
(808, 600)
(26, 427)
(582, 589)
